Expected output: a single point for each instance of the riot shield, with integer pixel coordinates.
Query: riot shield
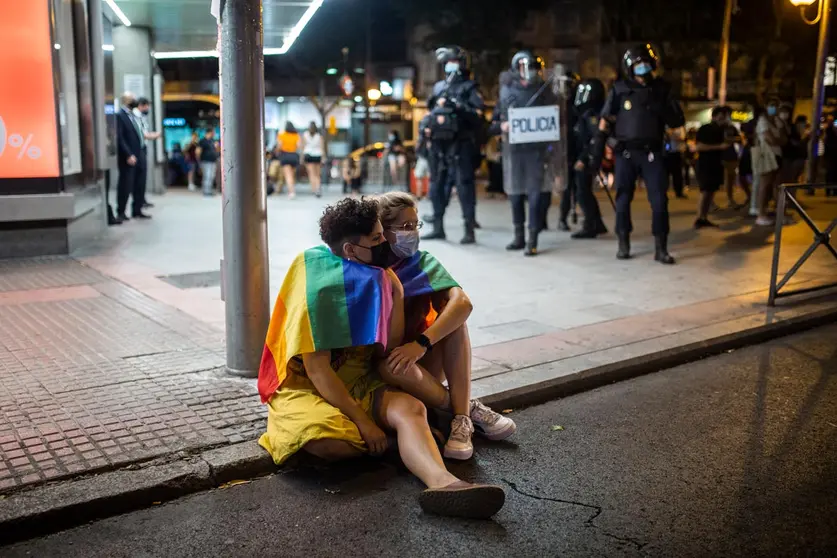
(534, 149)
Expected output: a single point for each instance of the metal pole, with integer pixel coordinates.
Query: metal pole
(367, 119)
(245, 267)
(722, 91)
(777, 245)
(819, 91)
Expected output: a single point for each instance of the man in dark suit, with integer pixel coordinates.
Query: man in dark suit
(131, 158)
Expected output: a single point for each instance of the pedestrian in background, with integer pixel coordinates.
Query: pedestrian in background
(674, 161)
(191, 155)
(288, 143)
(729, 158)
(130, 142)
(771, 136)
(312, 151)
(207, 154)
(141, 113)
(710, 145)
(830, 154)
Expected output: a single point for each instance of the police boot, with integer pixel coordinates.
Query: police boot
(624, 252)
(438, 232)
(532, 245)
(661, 250)
(519, 242)
(469, 237)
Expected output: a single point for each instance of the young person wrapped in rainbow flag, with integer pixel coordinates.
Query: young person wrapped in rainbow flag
(437, 345)
(340, 312)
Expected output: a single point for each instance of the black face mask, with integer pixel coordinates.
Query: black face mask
(382, 255)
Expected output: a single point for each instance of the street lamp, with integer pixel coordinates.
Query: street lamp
(824, 19)
(373, 94)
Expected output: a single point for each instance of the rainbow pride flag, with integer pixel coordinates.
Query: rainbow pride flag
(423, 274)
(326, 302)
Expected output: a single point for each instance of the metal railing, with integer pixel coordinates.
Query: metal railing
(821, 238)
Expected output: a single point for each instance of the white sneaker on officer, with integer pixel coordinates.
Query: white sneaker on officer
(493, 426)
(459, 445)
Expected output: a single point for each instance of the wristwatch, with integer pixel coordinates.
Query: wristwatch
(424, 342)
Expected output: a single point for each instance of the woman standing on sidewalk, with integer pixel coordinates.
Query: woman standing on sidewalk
(312, 151)
(288, 144)
(767, 158)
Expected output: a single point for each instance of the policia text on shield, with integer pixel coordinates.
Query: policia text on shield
(638, 109)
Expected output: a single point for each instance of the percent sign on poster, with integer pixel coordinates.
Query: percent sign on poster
(21, 144)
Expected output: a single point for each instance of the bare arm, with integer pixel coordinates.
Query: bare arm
(454, 308)
(329, 386)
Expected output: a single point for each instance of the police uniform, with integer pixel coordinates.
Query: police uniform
(582, 135)
(524, 164)
(640, 112)
(453, 164)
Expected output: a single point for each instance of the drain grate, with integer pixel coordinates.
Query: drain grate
(198, 280)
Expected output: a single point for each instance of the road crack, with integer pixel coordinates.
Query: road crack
(589, 522)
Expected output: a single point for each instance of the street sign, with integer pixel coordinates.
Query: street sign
(534, 124)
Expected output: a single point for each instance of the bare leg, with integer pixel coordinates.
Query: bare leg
(419, 383)
(450, 359)
(290, 179)
(456, 362)
(764, 192)
(408, 417)
(314, 176)
(332, 450)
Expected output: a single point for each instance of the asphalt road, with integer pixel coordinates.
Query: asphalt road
(732, 456)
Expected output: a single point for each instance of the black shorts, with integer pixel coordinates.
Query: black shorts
(710, 182)
(313, 159)
(289, 159)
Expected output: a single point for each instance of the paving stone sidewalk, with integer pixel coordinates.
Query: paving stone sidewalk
(94, 375)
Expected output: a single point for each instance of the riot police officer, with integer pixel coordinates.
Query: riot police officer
(524, 164)
(568, 199)
(587, 106)
(456, 109)
(639, 107)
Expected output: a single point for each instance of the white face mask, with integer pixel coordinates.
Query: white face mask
(406, 243)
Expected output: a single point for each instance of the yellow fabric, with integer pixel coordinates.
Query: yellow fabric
(288, 143)
(297, 414)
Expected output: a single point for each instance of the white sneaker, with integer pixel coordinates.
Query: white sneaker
(765, 222)
(459, 445)
(493, 426)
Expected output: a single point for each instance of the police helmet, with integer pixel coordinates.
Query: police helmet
(529, 63)
(454, 54)
(640, 60)
(590, 94)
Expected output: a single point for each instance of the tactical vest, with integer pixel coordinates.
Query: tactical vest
(446, 124)
(644, 112)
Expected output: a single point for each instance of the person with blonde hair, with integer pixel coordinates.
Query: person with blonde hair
(436, 344)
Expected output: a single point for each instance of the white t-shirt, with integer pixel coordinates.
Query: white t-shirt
(313, 144)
